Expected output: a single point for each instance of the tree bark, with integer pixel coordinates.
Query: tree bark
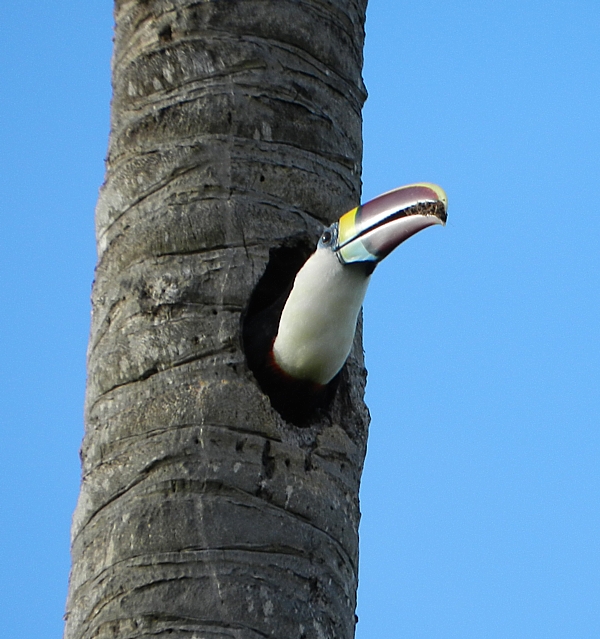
(235, 129)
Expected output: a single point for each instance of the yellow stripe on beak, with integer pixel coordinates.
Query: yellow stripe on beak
(350, 251)
(347, 226)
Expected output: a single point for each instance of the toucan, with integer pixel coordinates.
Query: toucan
(297, 345)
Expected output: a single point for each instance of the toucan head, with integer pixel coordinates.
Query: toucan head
(314, 322)
(370, 232)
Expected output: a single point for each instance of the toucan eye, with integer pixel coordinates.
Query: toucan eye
(326, 237)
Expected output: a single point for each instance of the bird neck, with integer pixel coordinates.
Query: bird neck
(319, 318)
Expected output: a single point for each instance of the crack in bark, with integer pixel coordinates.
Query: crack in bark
(332, 160)
(156, 188)
(166, 322)
(183, 557)
(150, 372)
(228, 494)
(155, 258)
(155, 432)
(207, 488)
(197, 623)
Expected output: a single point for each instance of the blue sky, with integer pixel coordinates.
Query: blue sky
(480, 498)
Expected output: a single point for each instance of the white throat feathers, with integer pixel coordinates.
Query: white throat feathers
(318, 321)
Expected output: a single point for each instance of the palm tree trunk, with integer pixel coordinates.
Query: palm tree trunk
(236, 126)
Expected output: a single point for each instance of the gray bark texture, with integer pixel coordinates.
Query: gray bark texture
(235, 128)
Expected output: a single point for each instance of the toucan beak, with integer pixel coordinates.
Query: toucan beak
(373, 230)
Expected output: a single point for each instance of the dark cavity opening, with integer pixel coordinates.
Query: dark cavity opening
(298, 402)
